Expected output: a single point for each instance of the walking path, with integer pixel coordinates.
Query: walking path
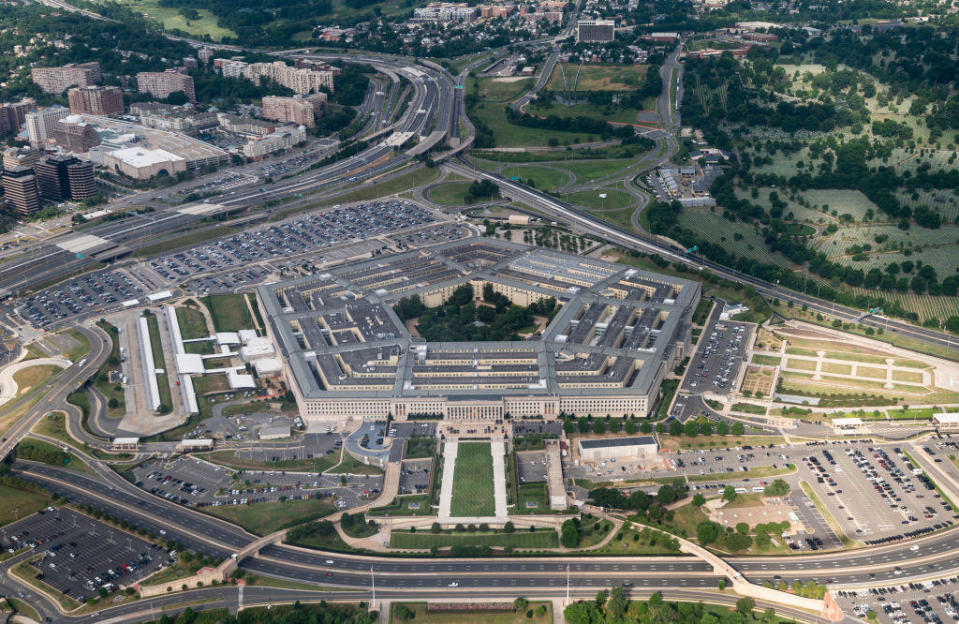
(498, 448)
(450, 450)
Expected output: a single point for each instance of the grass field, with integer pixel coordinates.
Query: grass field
(544, 178)
(767, 360)
(534, 493)
(615, 200)
(163, 380)
(398, 185)
(527, 616)
(171, 19)
(542, 538)
(192, 323)
(449, 194)
(229, 312)
(232, 460)
(496, 89)
(102, 381)
(597, 77)
(401, 507)
(473, 481)
(34, 376)
(264, 518)
(19, 503)
(584, 109)
(511, 135)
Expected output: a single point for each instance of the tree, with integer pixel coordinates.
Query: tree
(691, 428)
(745, 605)
(699, 500)
(707, 532)
(675, 428)
(646, 427)
(777, 488)
(738, 541)
(402, 612)
(722, 428)
(520, 604)
(666, 494)
(742, 528)
(569, 537)
(617, 604)
(738, 429)
(729, 493)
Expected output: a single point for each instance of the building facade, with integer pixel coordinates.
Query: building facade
(295, 110)
(42, 124)
(162, 84)
(14, 114)
(595, 30)
(59, 79)
(96, 100)
(75, 135)
(20, 190)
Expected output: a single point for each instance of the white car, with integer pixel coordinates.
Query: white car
(453, 584)
(329, 562)
(914, 547)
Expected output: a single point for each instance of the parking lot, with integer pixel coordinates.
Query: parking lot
(79, 296)
(310, 446)
(719, 357)
(873, 493)
(531, 466)
(196, 483)
(415, 476)
(79, 555)
(294, 236)
(932, 602)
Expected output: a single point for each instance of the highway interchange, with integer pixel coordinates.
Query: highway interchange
(434, 111)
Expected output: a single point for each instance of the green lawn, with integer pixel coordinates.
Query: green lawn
(171, 19)
(163, 382)
(449, 194)
(496, 89)
(192, 323)
(264, 518)
(597, 77)
(511, 135)
(399, 184)
(584, 109)
(102, 380)
(401, 507)
(767, 360)
(229, 312)
(615, 200)
(542, 538)
(473, 481)
(588, 170)
(544, 178)
(419, 447)
(532, 493)
(19, 503)
(232, 460)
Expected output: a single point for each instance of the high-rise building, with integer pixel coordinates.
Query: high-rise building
(75, 135)
(82, 184)
(41, 124)
(20, 190)
(58, 79)
(96, 100)
(162, 84)
(20, 157)
(297, 110)
(53, 177)
(205, 55)
(14, 115)
(301, 81)
(595, 30)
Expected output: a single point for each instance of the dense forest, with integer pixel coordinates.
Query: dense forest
(460, 320)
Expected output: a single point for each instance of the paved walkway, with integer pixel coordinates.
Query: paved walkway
(450, 450)
(498, 448)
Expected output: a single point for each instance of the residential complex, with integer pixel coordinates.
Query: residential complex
(42, 124)
(162, 84)
(59, 79)
(96, 100)
(20, 190)
(300, 80)
(298, 109)
(595, 30)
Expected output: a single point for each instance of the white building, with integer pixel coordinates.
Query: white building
(41, 124)
(946, 422)
(609, 448)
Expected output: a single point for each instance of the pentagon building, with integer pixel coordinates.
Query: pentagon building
(618, 331)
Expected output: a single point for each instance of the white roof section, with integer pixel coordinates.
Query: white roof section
(82, 243)
(142, 157)
(847, 421)
(240, 382)
(268, 366)
(129, 303)
(199, 209)
(159, 296)
(946, 419)
(126, 441)
(246, 335)
(189, 363)
(227, 338)
(196, 443)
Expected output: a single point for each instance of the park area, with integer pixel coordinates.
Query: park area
(473, 481)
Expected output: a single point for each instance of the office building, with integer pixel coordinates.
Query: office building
(162, 84)
(617, 332)
(20, 157)
(14, 115)
(42, 123)
(20, 190)
(297, 110)
(595, 30)
(75, 135)
(445, 12)
(53, 179)
(82, 184)
(59, 79)
(96, 100)
(614, 448)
